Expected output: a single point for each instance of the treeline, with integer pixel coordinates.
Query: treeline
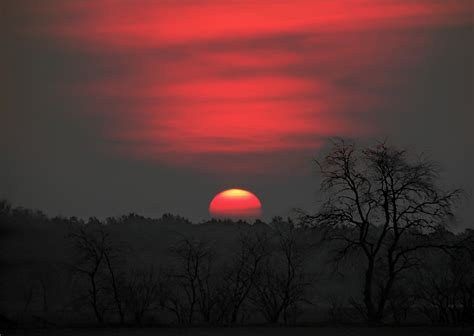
(276, 273)
(103, 276)
(265, 271)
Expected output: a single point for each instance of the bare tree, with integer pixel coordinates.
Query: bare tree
(47, 277)
(113, 256)
(401, 301)
(208, 283)
(143, 292)
(284, 281)
(385, 206)
(446, 289)
(190, 290)
(240, 275)
(96, 253)
(89, 245)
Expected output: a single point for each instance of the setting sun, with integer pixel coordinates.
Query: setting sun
(235, 204)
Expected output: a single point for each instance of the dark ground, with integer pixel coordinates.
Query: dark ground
(253, 331)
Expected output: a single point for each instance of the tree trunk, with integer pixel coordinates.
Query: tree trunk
(115, 290)
(138, 318)
(384, 296)
(97, 312)
(371, 313)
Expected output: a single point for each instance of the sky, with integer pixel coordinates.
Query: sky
(110, 107)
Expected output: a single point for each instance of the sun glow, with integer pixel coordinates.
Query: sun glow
(235, 204)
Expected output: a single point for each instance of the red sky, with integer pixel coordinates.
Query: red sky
(238, 85)
(155, 106)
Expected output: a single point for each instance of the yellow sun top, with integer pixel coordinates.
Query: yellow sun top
(235, 193)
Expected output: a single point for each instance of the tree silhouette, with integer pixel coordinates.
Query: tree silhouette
(385, 205)
(187, 280)
(241, 274)
(96, 253)
(284, 281)
(446, 293)
(143, 292)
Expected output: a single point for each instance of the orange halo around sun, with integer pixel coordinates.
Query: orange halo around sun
(235, 204)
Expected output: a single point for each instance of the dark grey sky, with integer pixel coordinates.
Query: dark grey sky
(58, 155)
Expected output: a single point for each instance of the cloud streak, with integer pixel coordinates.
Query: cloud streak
(222, 85)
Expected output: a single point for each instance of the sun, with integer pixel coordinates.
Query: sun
(235, 204)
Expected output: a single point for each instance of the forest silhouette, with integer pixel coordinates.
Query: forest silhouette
(379, 249)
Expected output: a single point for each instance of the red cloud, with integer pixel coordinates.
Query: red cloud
(235, 83)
